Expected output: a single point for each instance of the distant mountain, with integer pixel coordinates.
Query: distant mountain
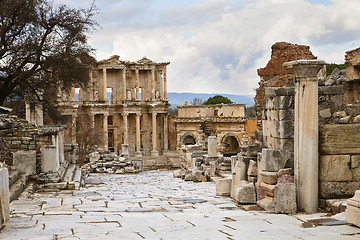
(178, 99)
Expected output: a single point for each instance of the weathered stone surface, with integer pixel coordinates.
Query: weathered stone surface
(325, 113)
(197, 176)
(339, 139)
(353, 209)
(245, 192)
(223, 186)
(338, 189)
(252, 169)
(25, 161)
(260, 192)
(285, 198)
(285, 178)
(356, 119)
(355, 167)
(269, 177)
(344, 120)
(269, 189)
(268, 204)
(331, 90)
(274, 159)
(212, 146)
(335, 168)
(340, 114)
(287, 171)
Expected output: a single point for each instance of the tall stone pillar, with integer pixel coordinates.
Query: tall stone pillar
(153, 84)
(126, 131)
(166, 132)
(104, 84)
(138, 132)
(105, 131)
(73, 128)
(306, 130)
(154, 152)
(137, 84)
(212, 146)
(165, 85)
(124, 84)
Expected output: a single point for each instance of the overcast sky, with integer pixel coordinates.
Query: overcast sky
(215, 46)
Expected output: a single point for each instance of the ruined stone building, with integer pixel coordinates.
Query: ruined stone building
(274, 74)
(227, 122)
(136, 113)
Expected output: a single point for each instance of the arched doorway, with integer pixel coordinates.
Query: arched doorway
(230, 145)
(188, 139)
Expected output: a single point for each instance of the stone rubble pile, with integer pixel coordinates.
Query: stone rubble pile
(102, 161)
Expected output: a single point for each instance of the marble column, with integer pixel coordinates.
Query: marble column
(104, 84)
(306, 131)
(153, 84)
(73, 128)
(154, 152)
(105, 131)
(126, 131)
(138, 132)
(165, 85)
(166, 132)
(124, 84)
(137, 84)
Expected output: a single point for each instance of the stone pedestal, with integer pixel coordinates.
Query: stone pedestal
(125, 150)
(223, 186)
(353, 209)
(212, 146)
(306, 154)
(154, 153)
(49, 159)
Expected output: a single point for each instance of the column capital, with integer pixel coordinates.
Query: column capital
(305, 68)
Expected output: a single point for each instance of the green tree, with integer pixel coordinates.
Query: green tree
(217, 99)
(43, 47)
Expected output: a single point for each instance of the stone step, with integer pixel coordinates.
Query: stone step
(69, 174)
(13, 176)
(18, 187)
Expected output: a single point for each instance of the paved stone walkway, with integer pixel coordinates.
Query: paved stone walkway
(152, 205)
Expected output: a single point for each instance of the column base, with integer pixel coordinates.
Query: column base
(154, 153)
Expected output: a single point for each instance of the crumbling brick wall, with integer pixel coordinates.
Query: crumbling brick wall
(274, 74)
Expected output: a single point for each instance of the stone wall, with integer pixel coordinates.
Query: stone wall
(274, 74)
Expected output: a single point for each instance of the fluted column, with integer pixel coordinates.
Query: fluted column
(166, 132)
(306, 131)
(138, 132)
(126, 132)
(124, 84)
(104, 84)
(153, 84)
(137, 84)
(91, 95)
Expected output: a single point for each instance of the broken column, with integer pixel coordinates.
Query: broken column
(212, 146)
(306, 155)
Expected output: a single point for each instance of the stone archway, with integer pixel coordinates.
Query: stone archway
(230, 144)
(188, 139)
